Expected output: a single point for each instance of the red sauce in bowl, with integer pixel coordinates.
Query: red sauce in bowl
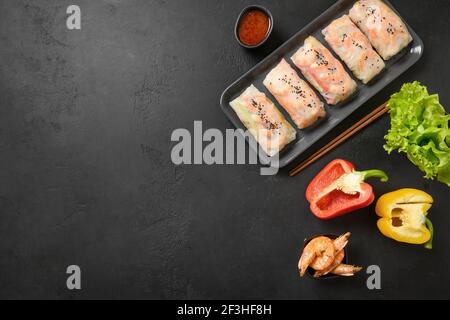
(253, 27)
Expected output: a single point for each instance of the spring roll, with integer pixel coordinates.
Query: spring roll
(263, 120)
(324, 71)
(353, 47)
(385, 30)
(294, 95)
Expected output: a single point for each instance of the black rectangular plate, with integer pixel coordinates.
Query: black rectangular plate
(307, 137)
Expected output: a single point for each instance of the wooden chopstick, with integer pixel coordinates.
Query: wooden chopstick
(358, 126)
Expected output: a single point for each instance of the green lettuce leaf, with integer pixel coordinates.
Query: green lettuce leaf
(419, 128)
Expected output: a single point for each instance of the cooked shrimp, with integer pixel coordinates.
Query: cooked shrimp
(345, 270)
(339, 244)
(337, 261)
(320, 247)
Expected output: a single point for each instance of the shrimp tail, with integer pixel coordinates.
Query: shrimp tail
(341, 241)
(346, 270)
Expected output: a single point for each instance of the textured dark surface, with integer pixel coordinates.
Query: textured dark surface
(86, 176)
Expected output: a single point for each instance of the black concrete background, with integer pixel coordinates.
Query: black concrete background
(86, 176)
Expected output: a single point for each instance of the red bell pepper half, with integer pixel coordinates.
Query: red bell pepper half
(339, 189)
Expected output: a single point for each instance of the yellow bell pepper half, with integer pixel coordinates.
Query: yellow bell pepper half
(403, 216)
